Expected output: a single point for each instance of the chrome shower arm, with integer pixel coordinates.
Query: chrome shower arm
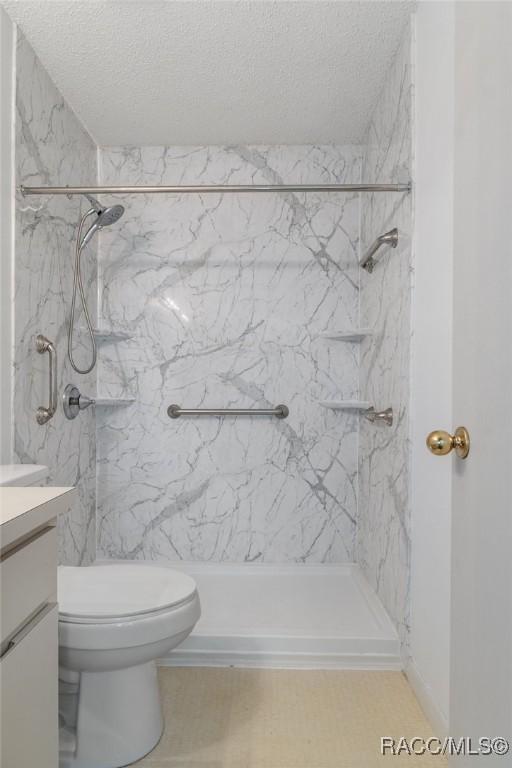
(388, 238)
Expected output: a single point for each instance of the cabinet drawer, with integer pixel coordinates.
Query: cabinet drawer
(29, 692)
(28, 578)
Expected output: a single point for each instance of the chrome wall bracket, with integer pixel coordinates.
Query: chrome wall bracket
(73, 401)
(386, 416)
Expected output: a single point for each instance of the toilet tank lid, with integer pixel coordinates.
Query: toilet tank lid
(22, 474)
(115, 591)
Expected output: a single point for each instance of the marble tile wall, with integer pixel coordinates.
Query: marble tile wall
(52, 147)
(226, 298)
(383, 535)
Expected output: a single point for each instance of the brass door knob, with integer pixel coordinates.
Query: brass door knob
(440, 443)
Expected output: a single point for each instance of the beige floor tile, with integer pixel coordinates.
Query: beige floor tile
(253, 718)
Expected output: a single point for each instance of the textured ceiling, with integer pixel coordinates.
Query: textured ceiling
(216, 72)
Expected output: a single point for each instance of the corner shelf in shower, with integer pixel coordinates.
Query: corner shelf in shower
(109, 336)
(116, 402)
(351, 334)
(345, 405)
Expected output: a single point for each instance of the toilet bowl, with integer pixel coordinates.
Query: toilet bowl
(114, 622)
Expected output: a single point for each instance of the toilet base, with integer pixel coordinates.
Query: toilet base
(119, 718)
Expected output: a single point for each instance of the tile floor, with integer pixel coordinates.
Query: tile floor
(255, 718)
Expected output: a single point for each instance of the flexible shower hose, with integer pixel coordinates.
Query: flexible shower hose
(78, 283)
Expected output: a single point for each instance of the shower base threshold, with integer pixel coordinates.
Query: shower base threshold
(287, 616)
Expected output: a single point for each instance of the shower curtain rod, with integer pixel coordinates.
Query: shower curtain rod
(219, 188)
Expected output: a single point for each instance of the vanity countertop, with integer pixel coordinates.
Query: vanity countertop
(23, 474)
(25, 509)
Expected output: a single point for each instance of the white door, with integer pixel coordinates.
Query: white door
(481, 604)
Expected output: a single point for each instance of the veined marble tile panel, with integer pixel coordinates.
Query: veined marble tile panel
(227, 297)
(383, 536)
(52, 148)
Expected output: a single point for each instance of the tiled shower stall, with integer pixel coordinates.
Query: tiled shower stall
(229, 301)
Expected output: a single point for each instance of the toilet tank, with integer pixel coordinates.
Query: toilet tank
(23, 474)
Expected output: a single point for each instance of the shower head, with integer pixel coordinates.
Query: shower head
(109, 216)
(106, 216)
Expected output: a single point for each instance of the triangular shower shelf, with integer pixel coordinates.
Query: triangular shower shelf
(117, 402)
(351, 334)
(109, 336)
(345, 405)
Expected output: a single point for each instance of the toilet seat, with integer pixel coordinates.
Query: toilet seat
(106, 607)
(120, 620)
(112, 593)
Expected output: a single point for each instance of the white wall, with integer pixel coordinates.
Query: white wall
(431, 372)
(7, 34)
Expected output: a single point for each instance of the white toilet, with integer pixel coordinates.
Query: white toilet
(114, 622)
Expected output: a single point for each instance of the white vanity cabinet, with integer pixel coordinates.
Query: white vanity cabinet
(28, 625)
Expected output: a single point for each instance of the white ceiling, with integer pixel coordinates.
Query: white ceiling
(216, 71)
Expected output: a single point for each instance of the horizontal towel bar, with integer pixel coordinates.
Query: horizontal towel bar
(175, 411)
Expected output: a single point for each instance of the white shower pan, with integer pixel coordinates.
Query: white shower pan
(295, 616)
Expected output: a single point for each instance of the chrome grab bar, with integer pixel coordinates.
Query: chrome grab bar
(175, 411)
(45, 345)
(388, 238)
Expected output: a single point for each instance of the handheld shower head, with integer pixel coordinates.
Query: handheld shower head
(106, 217)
